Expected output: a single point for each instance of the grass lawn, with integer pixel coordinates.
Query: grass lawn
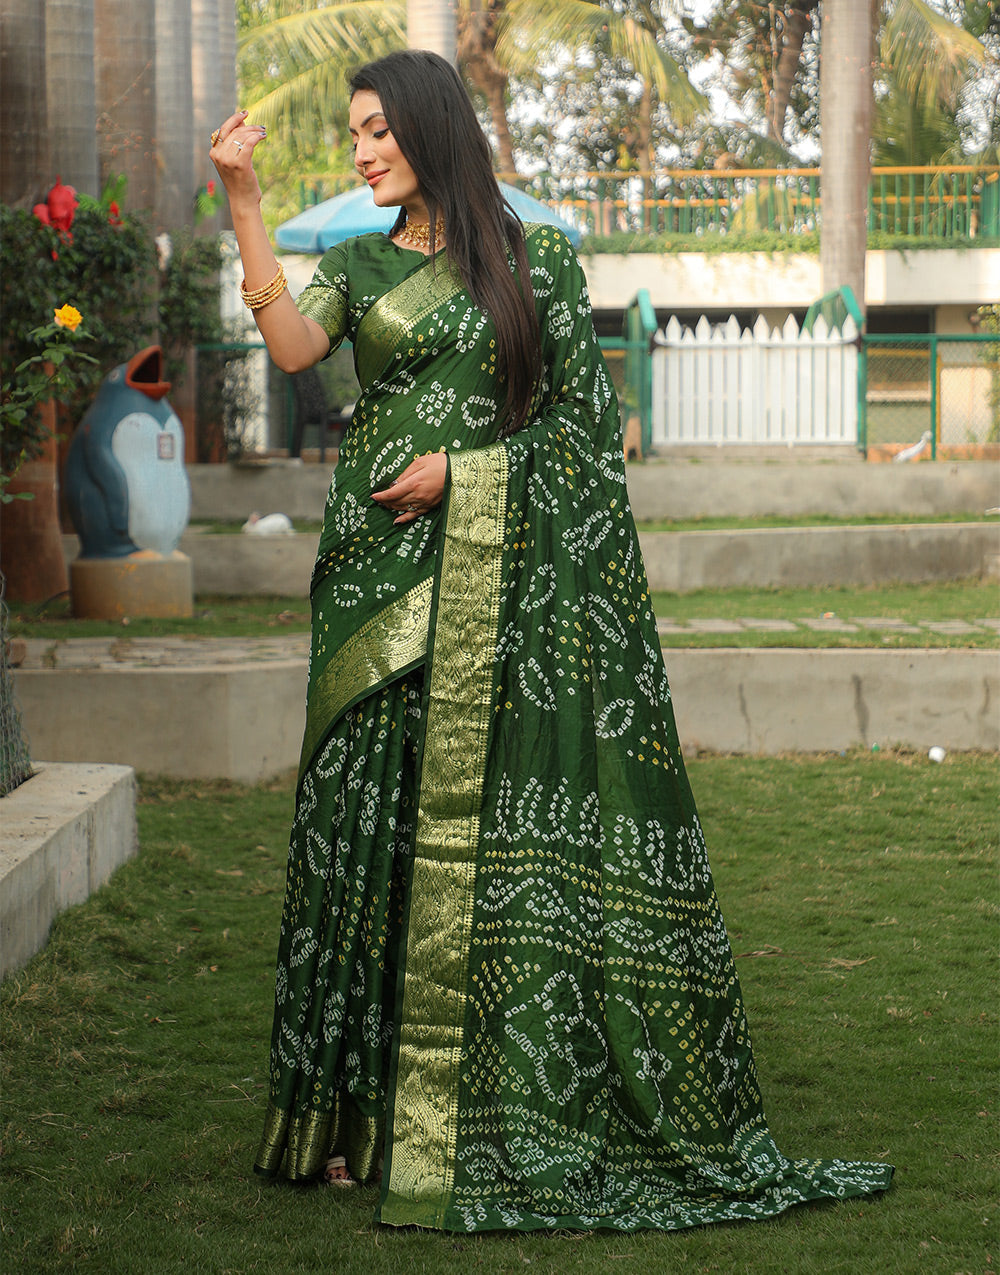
(707, 523)
(265, 616)
(861, 895)
(735, 523)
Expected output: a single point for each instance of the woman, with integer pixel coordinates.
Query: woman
(501, 955)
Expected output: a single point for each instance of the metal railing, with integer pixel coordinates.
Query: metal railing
(943, 202)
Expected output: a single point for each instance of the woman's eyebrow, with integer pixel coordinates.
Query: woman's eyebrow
(368, 118)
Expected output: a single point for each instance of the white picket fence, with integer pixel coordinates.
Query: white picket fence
(725, 385)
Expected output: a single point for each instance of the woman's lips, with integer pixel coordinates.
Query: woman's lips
(374, 178)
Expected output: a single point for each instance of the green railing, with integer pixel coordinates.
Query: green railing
(937, 203)
(944, 202)
(835, 308)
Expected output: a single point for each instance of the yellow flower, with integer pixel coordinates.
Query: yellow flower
(69, 317)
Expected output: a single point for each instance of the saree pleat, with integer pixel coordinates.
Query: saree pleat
(561, 1034)
(339, 939)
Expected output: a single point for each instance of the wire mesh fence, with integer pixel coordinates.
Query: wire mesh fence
(938, 393)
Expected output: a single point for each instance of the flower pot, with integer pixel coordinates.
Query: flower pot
(31, 553)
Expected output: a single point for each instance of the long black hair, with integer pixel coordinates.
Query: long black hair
(432, 120)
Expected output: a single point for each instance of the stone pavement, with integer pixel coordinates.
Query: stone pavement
(166, 652)
(828, 623)
(205, 652)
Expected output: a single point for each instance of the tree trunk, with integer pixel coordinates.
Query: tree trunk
(477, 42)
(797, 21)
(845, 128)
(646, 153)
(31, 554)
(430, 24)
(25, 172)
(69, 70)
(211, 108)
(227, 74)
(125, 69)
(174, 114)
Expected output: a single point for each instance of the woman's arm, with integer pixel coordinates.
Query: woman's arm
(293, 341)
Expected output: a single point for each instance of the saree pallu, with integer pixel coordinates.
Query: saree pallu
(569, 1045)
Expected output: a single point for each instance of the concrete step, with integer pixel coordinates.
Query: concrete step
(806, 557)
(676, 561)
(243, 719)
(737, 482)
(64, 832)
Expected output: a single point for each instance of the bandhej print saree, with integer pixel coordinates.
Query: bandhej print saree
(501, 954)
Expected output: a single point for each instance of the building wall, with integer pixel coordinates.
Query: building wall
(953, 282)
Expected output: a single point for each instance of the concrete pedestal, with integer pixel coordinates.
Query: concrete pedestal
(143, 584)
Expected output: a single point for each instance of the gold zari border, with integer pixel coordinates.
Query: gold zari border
(428, 1069)
(394, 317)
(305, 1142)
(388, 643)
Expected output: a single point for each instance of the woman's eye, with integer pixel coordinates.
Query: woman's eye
(380, 133)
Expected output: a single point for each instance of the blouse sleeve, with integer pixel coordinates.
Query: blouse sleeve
(326, 298)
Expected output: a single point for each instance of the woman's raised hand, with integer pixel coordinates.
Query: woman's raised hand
(418, 489)
(232, 154)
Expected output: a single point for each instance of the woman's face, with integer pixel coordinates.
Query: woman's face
(380, 161)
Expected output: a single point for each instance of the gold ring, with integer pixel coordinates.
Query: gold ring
(215, 135)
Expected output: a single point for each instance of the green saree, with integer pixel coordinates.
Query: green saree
(501, 950)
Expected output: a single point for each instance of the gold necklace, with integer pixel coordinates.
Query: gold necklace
(418, 234)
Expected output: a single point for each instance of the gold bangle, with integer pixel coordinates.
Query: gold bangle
(257, 298)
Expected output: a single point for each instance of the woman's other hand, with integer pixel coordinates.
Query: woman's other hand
(418, 489)
(232, 155)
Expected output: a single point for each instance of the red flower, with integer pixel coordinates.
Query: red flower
(114, 213)
(59, 209)
(210, 187)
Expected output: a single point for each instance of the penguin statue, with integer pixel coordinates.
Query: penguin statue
(126, 485)
(129, 497)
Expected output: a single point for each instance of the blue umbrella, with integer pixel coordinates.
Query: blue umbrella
(356, 213)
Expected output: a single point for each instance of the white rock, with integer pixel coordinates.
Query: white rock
(269, 525)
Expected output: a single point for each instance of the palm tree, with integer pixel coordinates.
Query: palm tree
(495, 38)
(174, 116)
(478, 28)
(430, 24)
(928, 60)
(635, 37)
(69, 78)
(209, 107)
(930, 57)
(763, 51)
(298, 59)
(25, 174)
(846, 109)
(226, 71)
(125, 72)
